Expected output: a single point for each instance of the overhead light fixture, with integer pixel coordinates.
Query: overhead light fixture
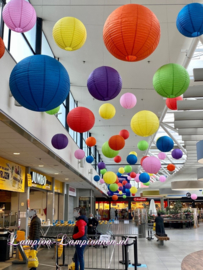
(16, 154)
(66, 178)
(41, 166)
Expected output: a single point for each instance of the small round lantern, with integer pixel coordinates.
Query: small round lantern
(116, 142)
(129, 178)
(171, 167)
(90, 141)
(107, 111)
(128, 186)
(128, 169)
(89, 159)
(103, 171)
(121, 170)
(133, 190)
(131, 159)
(108, 152)
(137, 178)
(162, 178)
(124, 182)
(144, 177)
(2, 47)
(96, 178)
(117, 159)
(132, 174)
(101, 181)
(177, 153)
(193, 196)
(151, 164)
(142, 145)
(54, 111)
(114, 197)
(142, 159)
(79, 154)
(161, 156)
(171, 103)
(164, 144)
(110, 177)
(128, 100)
(59, 141)
(124, 133)
(113, 187)
(124, 196)
(101, 165)
(133, 153)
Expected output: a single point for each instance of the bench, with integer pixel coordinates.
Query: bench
(162, 239)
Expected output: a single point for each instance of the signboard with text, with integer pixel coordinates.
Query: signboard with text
(72, 191)
(140, 199)
(41, 181)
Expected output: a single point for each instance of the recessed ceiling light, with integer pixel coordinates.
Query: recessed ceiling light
(66, 178)
(41, 166)
(56, 173)
(16, 154)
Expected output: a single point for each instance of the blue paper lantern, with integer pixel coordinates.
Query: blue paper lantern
(89, 159)
(131, 159)
(119, 174)
(190, 20)
(165, 144)
(144, 177)
(39, 83)
(96, 178)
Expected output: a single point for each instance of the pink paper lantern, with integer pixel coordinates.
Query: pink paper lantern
(161, 155)
(151, 165)
(19, 15)
(129, 178)
(137, 178)
(193, 196)
(79, 154)
(128, 100)
(101, 181)
(162, 178)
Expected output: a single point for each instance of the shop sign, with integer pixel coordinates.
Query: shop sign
(29, 180)
(140, 199)
(84, 198)
(72, 191)
(58, 186)
(41, 181)
(12, 176)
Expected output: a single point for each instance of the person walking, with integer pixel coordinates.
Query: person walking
(116, 214)
(160, 231)
(79, 233)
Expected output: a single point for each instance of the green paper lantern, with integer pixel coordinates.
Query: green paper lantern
(171, 80)
(103, 171)
(54, 111)
(124, 196)
(108, 152)
(128, 169)
(113, 187)
(142, 145)
(146, 184)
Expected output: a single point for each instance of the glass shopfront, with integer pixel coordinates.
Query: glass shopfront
(103, 209)
(122, 209)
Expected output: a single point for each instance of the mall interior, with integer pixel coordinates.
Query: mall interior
(101, 113)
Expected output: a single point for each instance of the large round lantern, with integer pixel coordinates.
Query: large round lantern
(151, 164)
(89, 159)
(121, 170)
(128, 186)
(131, 32)
(39, 83)
(144, 123)
(144, 177)
(110, 177)
(171, 80)
(132, 174)
(96, 178)
(131, 159)
(142, 145)
(104, 83)
(108, 152)
(90, 141)
(142, 159)
(101, 165)
(171, 167)
(54, 111)
(116, 142)
(124, 133)
(177, 153)
(117, 159)
(128, 100)
(137, 178)
(2, 47)
(194, 196)
(190, 20)
(114, 197)
(79, 154)
(113, 187)
(161, 156)
(162, 178)
(128, 169)
(19, 15)
(69, 33)
(133, 190)
(59, 141)
(164, 144)
(80, 119)
(171, 103)
(107, 111)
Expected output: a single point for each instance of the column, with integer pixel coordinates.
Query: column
(162, 204)
(66, 202)
(50, 203)
(62, 203)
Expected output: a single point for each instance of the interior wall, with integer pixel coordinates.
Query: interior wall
(70, 208)
(14, 202)
(38, 201)
(61, 207)
(56, 206)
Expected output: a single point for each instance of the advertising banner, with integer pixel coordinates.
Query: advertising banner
(58, 186)
(40, 180)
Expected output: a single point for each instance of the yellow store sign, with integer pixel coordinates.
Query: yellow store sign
(40, 180)
(12, 176)
(58, 187)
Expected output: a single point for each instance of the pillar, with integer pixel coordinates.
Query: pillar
(50, 203)
(66, 202)
(62, 203)
(162, 204)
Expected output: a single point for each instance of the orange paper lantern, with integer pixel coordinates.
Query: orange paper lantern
(2, 47)
(131, 32)
(116, 142)
(171, 167)
(91, 141)
(114, 197)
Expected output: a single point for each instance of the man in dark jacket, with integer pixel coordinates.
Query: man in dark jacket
(92, 224)
(79, 233)
(160, 231)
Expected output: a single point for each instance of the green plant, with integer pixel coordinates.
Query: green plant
(167, 209)
(161, 212)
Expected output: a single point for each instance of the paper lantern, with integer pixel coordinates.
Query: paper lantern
(131, 32)
(128, 169)
(2, 47)
(119, 174)
(133, 190)
(117, 159)
(120, 192)
(133, 194)
(128, 100)
(103, 171)
(101, 181)
(171, 103)
(116, 142)
(129, 178)
(110, 193)
(144, 177)
(162, 178)
(137, 178)
(171, 80)
(131, 159)
(161, 156)
(146, 184)
(69, 33)
(114, 197)
(96, 178)
(171, 167)
(193, 196)
(177, 153)
(107, 111)
(132, 174)
(113, 187)
(79, 154)
(164, 144)
(59, 141)
(90, 141)
(110, 177)
(104, 83)
(124, 196)
(101, 165)
(133, 153)
(120, 188)
(108, 152)
(80, 119)
(151, 164)
(128, 186)
(117, 181)
(142, 159)
(19, 16)
(142, 145)
(190, 20)
(124, 133)
(39, 83)
(54, 111)
(124, 182)
(89, 159)
(121, 170)
(144, 123)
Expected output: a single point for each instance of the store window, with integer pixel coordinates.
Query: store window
(46, 49)
(84, 202)
(31, 37)
(103, 209)
(62, 114)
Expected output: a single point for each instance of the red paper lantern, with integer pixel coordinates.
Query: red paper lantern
(80, 119)
(116, 142)
(133, 194)
(171, 167)
(124, 182)
(117, 159)
(131, 32)
(2, 47)
(132, 174)
(117, 181)
(124, 133)
(119, 184)
(91, 141)
(142, 159)
(171, 103)
(114, 197)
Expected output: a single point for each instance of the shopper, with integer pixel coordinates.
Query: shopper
(79, 233)
(129, 215)
(116, 214)
(92, 225)
(160, 231)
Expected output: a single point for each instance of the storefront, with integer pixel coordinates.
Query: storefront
(103, 209)
(84, 202)
(58, 200)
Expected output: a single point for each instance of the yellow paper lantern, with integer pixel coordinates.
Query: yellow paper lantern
(133, 190)
(121, 170)
(107, 111)
(150, 174)
(120, 192)
(144, 123)
(110, 177)
(69, 33)
(133, 153)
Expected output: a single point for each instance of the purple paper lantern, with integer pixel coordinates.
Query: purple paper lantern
(59, 141)
(128, 186)
(193, 196)
(120, 188)
(151, 165)
(137, 178)
(162, 178)
(101, 181)
(79, 154)
(101, 165)
(161, 155)
(177, 153)
(104, 83)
